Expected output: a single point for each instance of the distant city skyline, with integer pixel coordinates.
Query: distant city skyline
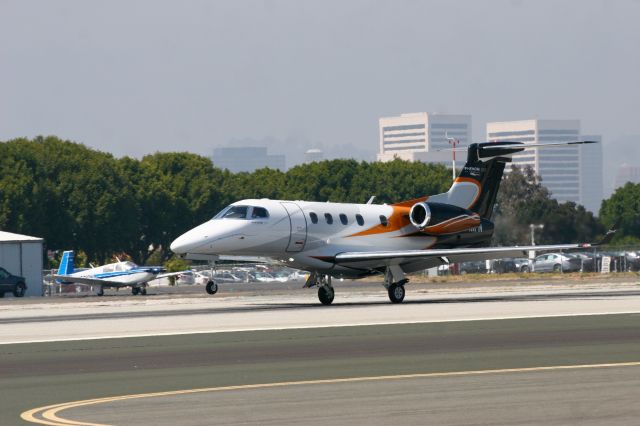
(136, 78)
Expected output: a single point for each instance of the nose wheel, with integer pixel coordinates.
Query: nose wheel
(326, 294)
(325, 289)
(212, 287)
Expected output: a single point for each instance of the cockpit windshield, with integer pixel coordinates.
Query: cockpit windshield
(242, 212)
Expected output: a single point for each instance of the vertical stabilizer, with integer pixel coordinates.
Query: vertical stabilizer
(66, 263)
(477, 186)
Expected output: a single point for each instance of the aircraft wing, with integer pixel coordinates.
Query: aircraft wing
(170, 274)
(70, 279)
(413, 260)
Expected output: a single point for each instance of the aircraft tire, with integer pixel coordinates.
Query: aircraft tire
(143, 291)
(396, 293)
(212, 287)
(101, 292)
(135, 291)
(326, 294)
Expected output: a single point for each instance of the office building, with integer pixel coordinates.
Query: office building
(419, 136)
(571, 173)
(246, 159)
(627, 173)
(312, 155)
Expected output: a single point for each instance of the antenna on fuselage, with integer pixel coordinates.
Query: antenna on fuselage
(373, 197)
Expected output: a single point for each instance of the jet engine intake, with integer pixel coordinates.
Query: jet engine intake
(439, 218)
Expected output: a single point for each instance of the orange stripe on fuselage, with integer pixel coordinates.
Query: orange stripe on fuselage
(398, 220)
(453, 225)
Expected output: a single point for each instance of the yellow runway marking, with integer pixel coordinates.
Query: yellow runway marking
(49, 415)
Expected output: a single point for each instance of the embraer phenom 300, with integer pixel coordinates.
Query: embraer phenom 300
(357, 240)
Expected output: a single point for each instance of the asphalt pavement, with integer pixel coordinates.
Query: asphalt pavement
(33, 375)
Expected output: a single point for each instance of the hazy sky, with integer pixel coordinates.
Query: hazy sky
(133, 77)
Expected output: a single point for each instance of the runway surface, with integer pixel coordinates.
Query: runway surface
(435, 333)
(146, 316)
(550, 397)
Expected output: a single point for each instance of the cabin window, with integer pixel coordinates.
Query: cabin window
(259, 213)
(360, 219)
(383, 220)
(314, 217)
(328, 218)
(343, 219)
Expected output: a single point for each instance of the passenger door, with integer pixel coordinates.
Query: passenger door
(298, 235)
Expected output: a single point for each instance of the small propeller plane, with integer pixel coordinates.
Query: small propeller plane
(116, 275)
(358, 240)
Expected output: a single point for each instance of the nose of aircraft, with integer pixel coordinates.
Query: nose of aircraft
(186, 242)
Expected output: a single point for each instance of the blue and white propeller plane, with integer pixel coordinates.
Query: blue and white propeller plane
(115, 275)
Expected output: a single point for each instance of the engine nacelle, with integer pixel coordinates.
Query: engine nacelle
(438, 218)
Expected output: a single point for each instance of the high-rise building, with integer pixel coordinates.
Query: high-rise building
(591, 177)
(419, 136)
(627, 173)
(312, 155)
(246, 159)
(571, 173)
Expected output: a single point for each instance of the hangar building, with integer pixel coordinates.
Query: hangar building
(22, 255)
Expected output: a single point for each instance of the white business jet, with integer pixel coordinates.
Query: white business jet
(357, 240)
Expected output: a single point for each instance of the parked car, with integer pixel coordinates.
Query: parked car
(11, 283)
(479, 267)
(299, 276)
(587, 261)
(556, 262)
(226, 277)
(185, 278)
(502, 266)
(633, 261)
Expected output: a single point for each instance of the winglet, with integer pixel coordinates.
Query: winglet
(609, 235)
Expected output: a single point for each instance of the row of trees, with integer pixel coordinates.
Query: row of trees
(82, 199)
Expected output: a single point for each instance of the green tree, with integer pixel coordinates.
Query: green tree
(522, 200)
(623, 208)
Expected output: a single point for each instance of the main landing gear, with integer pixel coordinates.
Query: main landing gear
(326, 292)
(395, 288)
(139, 290)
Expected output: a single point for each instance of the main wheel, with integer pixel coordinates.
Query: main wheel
(135, 291)
(396, 293)
(556, 268)
(325, 294)
(212, 287)
(101, 292)
(525, 269)
(19, 290)
(143, 291)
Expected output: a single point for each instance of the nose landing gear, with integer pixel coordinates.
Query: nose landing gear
(326, 292)
(212, 287)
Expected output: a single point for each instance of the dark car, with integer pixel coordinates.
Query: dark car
(479, 267)
(11, 283)
(503, 266)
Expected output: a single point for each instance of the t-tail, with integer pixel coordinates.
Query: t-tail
(66, 263)
(476, 188)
